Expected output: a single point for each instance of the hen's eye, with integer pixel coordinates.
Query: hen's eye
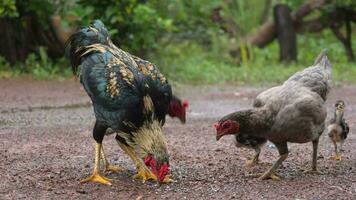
(226, 126)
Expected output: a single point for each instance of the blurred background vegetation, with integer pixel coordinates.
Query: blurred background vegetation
(195, 42)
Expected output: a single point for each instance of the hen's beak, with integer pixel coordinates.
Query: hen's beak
(218, 136)
(182, 120)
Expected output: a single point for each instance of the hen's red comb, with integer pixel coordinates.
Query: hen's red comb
(185, 104)
(217, 126)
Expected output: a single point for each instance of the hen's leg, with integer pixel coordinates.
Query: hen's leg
(254, 161)
(314, 168)
(283, 152)
(109, 167)
(98, 133)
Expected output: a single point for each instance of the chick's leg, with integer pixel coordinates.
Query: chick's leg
(337, 151)
(254, 161)
(109, 167)
(96, 177)
(341, 148)
(283, 152)
(142, 171)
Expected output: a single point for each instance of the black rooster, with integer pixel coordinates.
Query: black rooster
(130, 103)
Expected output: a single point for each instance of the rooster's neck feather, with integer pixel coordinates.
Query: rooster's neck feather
(149, 140)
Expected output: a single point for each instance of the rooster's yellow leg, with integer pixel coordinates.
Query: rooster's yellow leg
(109, 167)
(142, 171)
(145, 174)
(96, 177)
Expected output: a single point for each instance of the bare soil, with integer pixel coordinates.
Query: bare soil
(46, 147)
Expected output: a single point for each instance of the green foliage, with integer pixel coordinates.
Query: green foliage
(42, 8)
(6, 71)
(345, 3)
(292, 3)
(8, 8)
(39, 65)
(192, 63)
(180, 37)
(134, 25)
(191, 19)
(42, 67)
(344, 6)
(236, 10)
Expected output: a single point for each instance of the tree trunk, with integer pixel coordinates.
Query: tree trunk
(348, 45)
(286, 34)
(267, 31)
(345, 40)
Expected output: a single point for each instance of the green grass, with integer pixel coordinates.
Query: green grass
(193, 64)
(39, 66)
(190, 63)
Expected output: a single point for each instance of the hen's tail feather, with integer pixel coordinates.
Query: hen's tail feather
(322, 59)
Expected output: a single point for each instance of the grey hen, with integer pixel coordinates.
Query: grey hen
(250, 142)
(293, 112)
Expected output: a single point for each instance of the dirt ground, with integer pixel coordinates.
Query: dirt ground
(46, 147)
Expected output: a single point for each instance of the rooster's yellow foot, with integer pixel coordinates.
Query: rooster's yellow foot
(96, 178)
(114, 169)
(269, 176)
(145, 175)
(167, 180)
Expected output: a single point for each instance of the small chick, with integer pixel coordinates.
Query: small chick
(244, 140)
(338, 129)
